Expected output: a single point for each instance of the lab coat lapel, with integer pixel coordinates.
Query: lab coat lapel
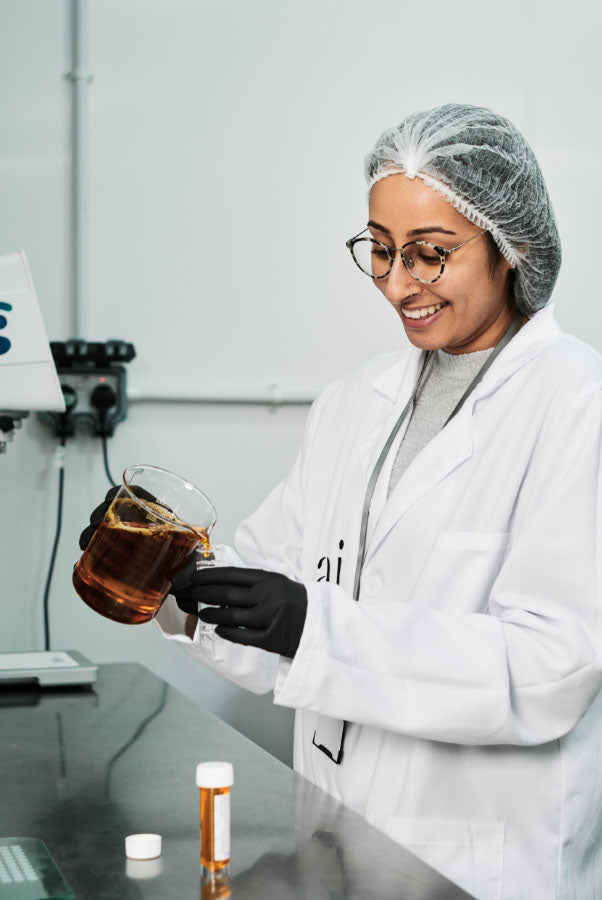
(444, 453)
(392, 390)
(453, 445)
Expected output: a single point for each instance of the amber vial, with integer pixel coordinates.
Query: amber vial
(214, 779)
(215, 885)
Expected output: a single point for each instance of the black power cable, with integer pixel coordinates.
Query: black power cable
(59, 520)
(102, 399)
(64, 429)
(103, 438)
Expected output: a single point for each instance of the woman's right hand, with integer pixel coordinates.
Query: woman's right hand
(96, 518)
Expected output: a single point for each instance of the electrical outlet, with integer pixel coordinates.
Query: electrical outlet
(93, 384)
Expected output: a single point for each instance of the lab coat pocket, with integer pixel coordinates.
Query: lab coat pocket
(471, 854)
(460, 571)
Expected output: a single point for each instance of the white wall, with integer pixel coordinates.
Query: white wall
(226, 149)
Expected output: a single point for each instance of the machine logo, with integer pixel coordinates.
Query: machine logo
(4, 342)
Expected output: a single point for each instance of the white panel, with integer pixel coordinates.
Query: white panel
(565, 72)
(228, 142)
(28, 378)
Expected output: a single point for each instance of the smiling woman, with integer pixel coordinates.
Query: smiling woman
(481, 164)
(423, 588)
(461, 307)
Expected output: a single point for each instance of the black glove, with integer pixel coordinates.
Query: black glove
(99, 513)
(249, 606)
(96, 518)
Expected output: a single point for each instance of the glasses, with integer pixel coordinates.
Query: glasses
(424, 261)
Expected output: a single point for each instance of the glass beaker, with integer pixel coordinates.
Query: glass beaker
(155, 523)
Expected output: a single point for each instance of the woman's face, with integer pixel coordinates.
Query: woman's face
(476, 309)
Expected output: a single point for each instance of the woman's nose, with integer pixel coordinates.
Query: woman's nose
(399, 284)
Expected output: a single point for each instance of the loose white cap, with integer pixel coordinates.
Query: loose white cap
(143, 846)
(214, 775)
(143, 869)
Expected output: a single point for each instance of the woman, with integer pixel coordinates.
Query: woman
(428, 573)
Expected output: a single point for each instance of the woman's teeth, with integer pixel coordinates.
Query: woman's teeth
(424, 312)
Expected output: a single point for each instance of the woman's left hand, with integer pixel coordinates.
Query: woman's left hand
(249, 606)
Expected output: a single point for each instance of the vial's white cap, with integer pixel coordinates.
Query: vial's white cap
(143, 846)
(214, 775)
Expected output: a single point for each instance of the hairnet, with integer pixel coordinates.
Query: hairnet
(484, 167)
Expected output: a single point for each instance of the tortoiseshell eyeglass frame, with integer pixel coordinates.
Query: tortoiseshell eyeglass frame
(408, 262)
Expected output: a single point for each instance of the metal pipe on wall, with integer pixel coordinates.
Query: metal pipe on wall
(80, 79)
(272, 400)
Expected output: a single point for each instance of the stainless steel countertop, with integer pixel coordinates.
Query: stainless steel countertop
(82, 769)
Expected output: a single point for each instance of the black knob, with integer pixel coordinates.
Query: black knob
(103, 397)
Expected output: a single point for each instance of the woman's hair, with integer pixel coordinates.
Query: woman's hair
(481, 164)
(494, 254)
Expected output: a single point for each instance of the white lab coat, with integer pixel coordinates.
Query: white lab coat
(471, 667)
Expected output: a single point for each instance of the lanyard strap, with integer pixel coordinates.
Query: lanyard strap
(428, 363)
(361, 553)
(334, 753)
(514, 328)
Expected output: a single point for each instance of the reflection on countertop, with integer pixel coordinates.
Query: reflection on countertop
(83, 769)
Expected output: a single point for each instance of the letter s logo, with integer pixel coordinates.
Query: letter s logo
(4, 342)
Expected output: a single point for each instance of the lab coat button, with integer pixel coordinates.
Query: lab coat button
(372, 585)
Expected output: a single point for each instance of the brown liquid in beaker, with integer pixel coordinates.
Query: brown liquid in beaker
(126, 570)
